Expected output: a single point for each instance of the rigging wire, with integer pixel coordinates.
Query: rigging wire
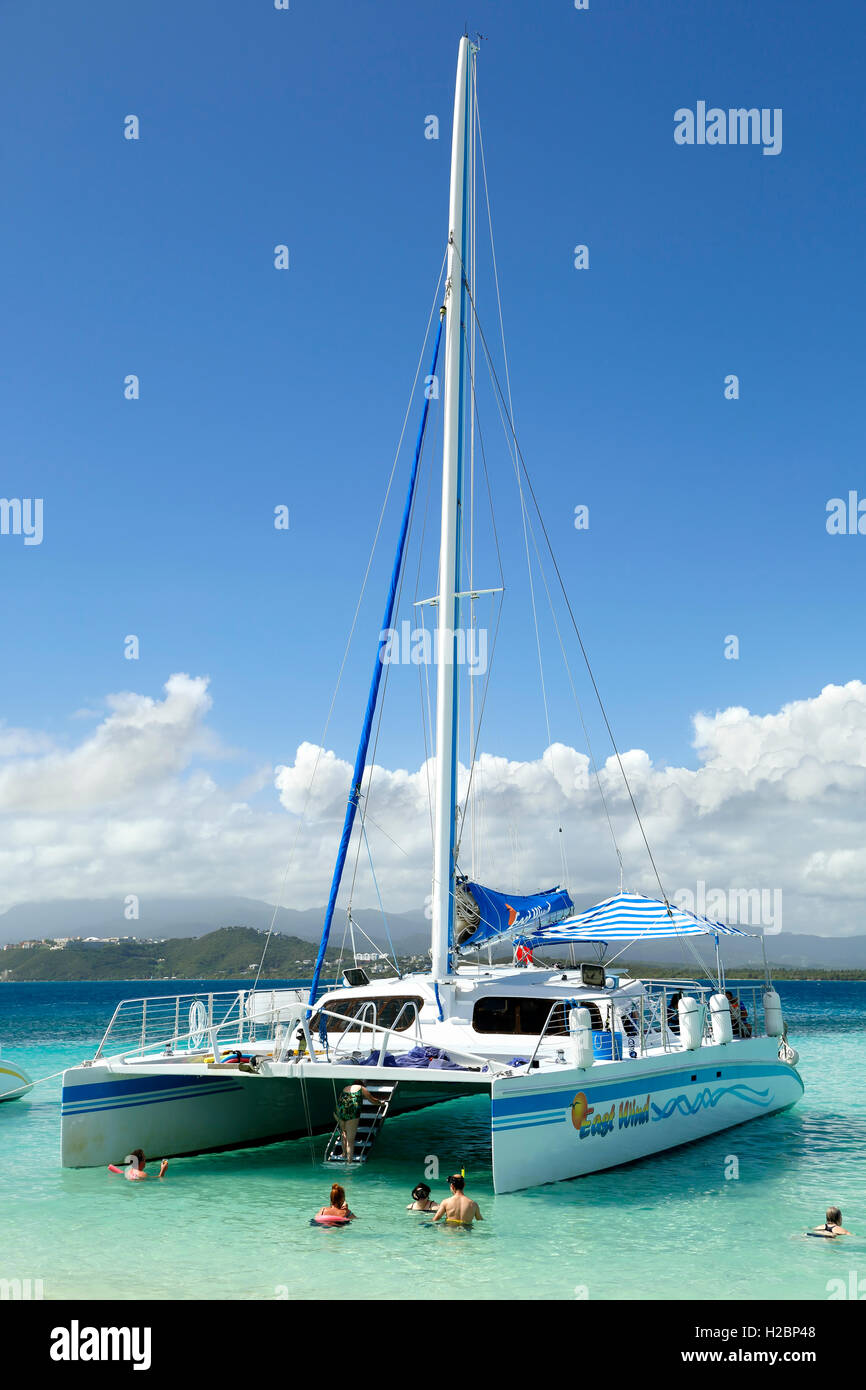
(686, 942)
(379, 897)
(371, 762)
(567, 602)
(592, 758)
(520, 491)
(382, 512)
(423, 666)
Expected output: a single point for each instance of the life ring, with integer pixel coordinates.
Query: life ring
(330, 1220)
(197, 1023)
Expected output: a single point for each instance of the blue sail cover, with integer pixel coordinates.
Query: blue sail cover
(504, 914)
(629, 917)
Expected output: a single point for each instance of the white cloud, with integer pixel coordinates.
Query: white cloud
(777, 802)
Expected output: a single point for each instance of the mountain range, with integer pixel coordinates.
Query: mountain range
(410, 931)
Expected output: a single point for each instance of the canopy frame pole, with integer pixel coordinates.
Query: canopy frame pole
(768, 979)
(720, 974)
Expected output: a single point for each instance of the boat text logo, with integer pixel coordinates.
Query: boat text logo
(419, 646)
(735, 126)
(587, 1120)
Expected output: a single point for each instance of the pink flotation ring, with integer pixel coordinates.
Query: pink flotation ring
(112, 1168)
(330, 1221)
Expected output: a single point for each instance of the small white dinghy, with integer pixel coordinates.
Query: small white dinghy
(14, 1082)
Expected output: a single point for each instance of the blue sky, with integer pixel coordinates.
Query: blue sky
(259, 387)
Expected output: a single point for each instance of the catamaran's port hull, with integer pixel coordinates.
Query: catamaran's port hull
(552, 1124)
(107, 1112)
(547, 1128)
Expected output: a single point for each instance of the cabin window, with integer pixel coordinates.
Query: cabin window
(527, 1016)
(391, 1011)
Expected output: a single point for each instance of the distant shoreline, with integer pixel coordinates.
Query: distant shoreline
(783, 976)
(238, 953)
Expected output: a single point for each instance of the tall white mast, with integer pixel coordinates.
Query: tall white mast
(446, 681)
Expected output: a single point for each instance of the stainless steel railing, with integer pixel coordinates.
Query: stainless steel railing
(140, 1025)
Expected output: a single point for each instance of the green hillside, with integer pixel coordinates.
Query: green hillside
(230, 953)
(234, 953)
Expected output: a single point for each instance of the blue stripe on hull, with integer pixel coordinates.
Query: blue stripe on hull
(146, 1090)
(523, 1108)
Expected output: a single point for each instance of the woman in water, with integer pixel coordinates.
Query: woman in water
(832, 1226)
(338, 1207)
(421, 1199)
(135, 1164)
(348, 1114)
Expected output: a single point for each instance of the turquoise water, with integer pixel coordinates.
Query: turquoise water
(236, 1225)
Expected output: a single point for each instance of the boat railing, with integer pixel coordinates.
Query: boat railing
(198, 1024)
(138, 1026)
(378, 1029)
(657, 1025)
(558, 1004)
(644, 1022)
(366, 1015)
(364, 1019)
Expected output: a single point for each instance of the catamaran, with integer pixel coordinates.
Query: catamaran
(583, 1067)
(14, 1081)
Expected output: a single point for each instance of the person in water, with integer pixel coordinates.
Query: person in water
(338, 1205)
(348, 1115)
(421, 1199)
(135, 1165)
(458, 1209)
(832, 1226)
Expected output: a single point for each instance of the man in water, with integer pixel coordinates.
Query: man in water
(458, 1209)
(832, 1226)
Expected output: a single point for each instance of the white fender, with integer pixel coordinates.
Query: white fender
(773, 1020)
(720, 1014)
(580, 1038)
(691, 1022)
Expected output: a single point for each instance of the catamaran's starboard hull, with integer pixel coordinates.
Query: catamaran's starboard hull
(106, 1113)
(581, 1122)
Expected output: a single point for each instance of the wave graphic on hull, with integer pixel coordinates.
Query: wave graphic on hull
(708, 1100)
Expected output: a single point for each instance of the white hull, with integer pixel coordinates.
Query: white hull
(109, 1110)
(547, 1125)
(14, 1081)
(544, 1132)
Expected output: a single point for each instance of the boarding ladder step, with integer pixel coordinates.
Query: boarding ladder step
(370, 1123)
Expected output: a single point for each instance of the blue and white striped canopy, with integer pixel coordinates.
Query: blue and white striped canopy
(630, 917)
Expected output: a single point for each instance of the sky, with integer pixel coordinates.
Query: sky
(182, 770)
